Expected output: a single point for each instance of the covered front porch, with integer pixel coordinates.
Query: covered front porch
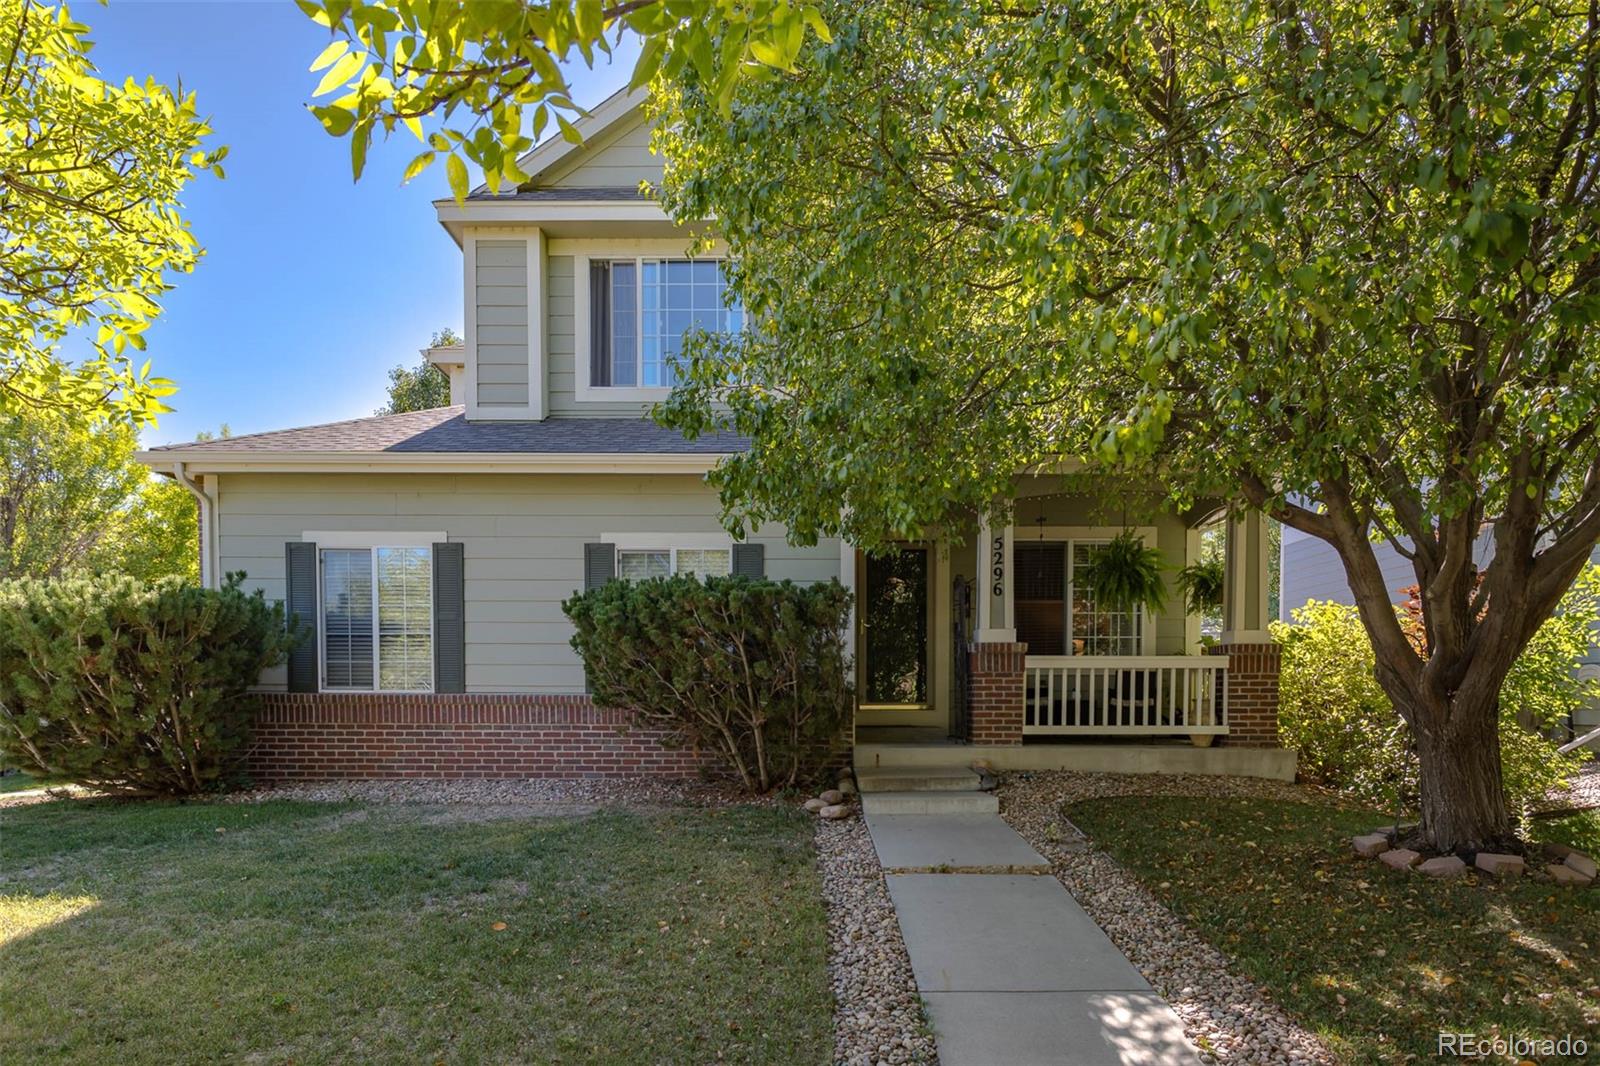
(993, 640)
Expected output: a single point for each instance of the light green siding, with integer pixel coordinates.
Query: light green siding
(620, 160)
(502, 322)
(523, 537)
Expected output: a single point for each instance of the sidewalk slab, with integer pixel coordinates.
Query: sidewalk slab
(1053, 1028)
(1004, 933)
(916, 841)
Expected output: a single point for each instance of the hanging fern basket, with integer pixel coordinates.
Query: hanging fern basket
(1202, 585)
(1125, 575)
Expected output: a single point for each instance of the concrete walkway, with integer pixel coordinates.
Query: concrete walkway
(1012, 969)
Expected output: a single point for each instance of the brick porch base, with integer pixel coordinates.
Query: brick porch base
(997, 677)
(1252, 694)
(309, 736)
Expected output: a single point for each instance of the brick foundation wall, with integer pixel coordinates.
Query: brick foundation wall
(1252, 694)
(309, 736)
(997, 677)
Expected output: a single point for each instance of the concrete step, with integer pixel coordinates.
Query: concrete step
(876, 803)
(935, 779)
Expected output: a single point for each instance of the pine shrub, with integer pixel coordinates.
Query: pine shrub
(752, 670)
(131, 686)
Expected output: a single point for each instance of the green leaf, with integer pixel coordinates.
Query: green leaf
(342, 71)
(456, 171)
(338, 48)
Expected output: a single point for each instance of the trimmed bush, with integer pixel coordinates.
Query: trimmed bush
(753, 671)
(131, 687)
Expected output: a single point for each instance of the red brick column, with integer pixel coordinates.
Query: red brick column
(342, 735)
(996, 698)
(1252, 694)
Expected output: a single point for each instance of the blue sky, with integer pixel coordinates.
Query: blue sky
(312, 286)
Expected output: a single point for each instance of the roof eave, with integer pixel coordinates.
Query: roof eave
(203, 461)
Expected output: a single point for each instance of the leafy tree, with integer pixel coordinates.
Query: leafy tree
(72, 499)
(1346, 255)
(421, 387)
(487, 72)
(90, 179)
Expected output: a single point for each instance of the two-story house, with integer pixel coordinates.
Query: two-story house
(428, 553)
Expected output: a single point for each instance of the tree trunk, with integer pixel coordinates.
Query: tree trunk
(1463, 796)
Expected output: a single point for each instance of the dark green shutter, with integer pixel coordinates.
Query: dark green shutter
(449, 618)
(750, 560)
(599, 564)
(300, 600)
(599, 323)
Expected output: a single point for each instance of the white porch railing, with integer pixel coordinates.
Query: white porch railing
(1083, 695)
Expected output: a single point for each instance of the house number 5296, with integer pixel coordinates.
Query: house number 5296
(997, 566)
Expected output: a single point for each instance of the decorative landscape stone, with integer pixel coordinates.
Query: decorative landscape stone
(1562, 874)
(1442, 866)
(834, 811)
(814, 805)
(1370, 845)
(1400, 858)
(847, 786)
(1493, 862)
(1580, 862)
(832, 796)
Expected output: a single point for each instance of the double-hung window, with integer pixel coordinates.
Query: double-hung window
(639, 563)
(377, 619)
(641, 308)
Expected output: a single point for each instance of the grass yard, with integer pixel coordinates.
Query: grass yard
(1375, 961)
(306, 933)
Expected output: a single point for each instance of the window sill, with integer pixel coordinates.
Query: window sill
(622, 393)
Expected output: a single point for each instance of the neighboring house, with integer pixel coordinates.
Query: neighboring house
(428, 553)
(1311, 570)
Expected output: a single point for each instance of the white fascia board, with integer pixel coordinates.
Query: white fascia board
(535, 212)
(435, 462)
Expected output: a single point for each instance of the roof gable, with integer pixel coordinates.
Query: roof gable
(555, 156)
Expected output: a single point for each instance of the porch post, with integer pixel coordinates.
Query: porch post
(1253, 658)
(999, 664)
(996, 607)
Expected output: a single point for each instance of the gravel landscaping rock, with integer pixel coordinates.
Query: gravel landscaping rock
(1581, 794)
(1223, 1013)
(877, 1011)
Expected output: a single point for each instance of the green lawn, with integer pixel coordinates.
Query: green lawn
(1374, 960)
(306, 933)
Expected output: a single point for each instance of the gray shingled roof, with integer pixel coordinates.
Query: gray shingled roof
(446, 429)
(594, 192)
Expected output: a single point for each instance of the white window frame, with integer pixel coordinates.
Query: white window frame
(671, 543)
(340, 540)
(1072, 536)
(586, 251)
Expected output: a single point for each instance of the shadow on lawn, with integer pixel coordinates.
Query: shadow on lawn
(1377, 961)
(157, 932)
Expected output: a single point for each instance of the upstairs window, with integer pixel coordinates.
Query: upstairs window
(640, 309)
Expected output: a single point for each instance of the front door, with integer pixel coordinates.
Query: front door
(894, 631)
